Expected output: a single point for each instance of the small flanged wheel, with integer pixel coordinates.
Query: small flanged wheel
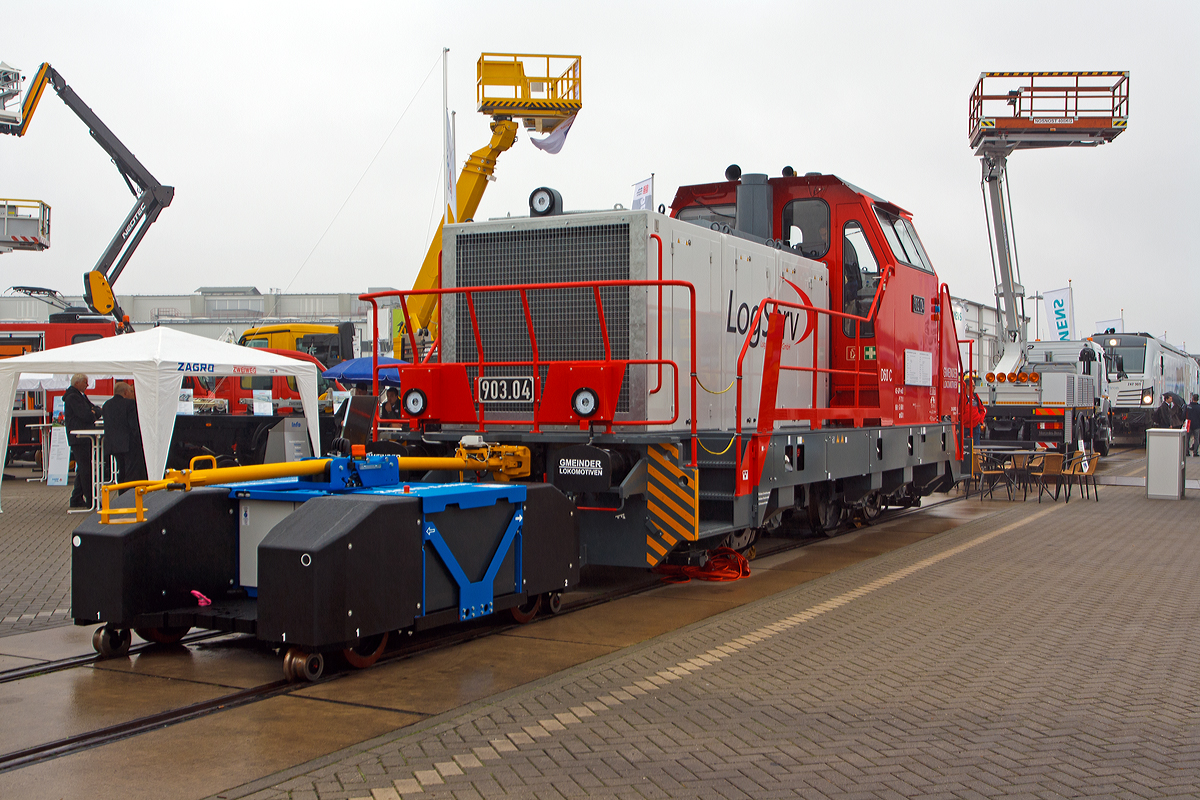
(287, 664)
(366, 652)
(525, 613)
(111, 642)
(555, 603)
(163, 635)
(301, 665)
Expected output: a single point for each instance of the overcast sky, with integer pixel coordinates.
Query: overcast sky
(265, 116)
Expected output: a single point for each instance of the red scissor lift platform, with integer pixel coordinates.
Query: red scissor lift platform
(1020, 110)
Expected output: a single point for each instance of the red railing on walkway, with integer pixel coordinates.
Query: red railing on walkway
(594, 368)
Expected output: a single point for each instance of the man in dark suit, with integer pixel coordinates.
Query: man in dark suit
(123, 434)
(81, 414)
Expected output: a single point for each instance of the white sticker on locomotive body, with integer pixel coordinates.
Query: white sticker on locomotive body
(918, 368)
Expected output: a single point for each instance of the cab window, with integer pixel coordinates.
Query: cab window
(806, 226)
(259, 342)
(256, 382)
(860, 277)
(903, 240)
(707, 215)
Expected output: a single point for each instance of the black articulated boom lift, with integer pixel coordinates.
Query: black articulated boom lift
(152, 196)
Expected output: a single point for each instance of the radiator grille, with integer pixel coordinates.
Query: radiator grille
(565, 320)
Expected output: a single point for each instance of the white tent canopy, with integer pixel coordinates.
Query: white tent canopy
(158, 359)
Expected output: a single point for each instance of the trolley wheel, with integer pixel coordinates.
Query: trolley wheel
(367, 651)
(287, 666)
(301, 665)
(163, 635)
(111, 642)
(555, 602)
(526, 613)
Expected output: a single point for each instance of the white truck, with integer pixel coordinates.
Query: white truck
(1059, 397)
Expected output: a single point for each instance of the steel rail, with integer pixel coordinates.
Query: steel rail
(48, 751)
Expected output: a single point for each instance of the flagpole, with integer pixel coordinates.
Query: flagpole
(445, 143)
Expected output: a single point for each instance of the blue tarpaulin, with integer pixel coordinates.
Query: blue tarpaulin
(358, 371)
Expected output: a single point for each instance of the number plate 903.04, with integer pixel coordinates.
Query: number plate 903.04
(505, 390)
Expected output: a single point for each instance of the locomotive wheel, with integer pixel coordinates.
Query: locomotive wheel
(301, 665)
(111, 642)
(824, 513)
(526, 613)
(367, 651)
(742, 541)
(872, 506)
(163, 635)
(555, 603)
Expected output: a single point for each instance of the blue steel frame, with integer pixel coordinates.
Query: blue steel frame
(476, 599)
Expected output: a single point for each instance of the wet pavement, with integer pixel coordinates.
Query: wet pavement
(725, 703)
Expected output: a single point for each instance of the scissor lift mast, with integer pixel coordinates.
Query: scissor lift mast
(1034, 110)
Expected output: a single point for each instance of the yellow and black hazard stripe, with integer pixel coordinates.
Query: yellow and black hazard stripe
(1053, 74)
(492, 104)
(673, 497)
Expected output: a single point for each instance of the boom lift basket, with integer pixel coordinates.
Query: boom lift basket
(544, 90)
(1020, 110)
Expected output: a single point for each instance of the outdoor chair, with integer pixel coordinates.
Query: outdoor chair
(1085, 475)
(1051, 470)
(992, 472)
(1019, 469)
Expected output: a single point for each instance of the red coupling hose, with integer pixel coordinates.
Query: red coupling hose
(724, 564)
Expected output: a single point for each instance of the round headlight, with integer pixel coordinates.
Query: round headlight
(1022, 377)
(415, 402)
(1034, 377)
(584, 402)
(1001, 377)
(991, 377)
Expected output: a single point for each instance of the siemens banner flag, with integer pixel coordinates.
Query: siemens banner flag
(1060, 314)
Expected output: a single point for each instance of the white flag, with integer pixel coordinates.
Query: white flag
(1117, 325)
(643, 194)
(1060, 315)
(451, 176)
(554, 142)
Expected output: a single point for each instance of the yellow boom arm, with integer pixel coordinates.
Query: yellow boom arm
(544, 91)
(471, 185)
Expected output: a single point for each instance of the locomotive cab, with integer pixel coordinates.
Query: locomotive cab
(887, 332)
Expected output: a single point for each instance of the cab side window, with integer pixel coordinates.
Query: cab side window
(860, 278)
(256, 382)
(806, 226)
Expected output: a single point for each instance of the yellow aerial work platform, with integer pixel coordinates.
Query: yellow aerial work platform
(543, 90)
(1023, 110)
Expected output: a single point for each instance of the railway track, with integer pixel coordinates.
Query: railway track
(437, 639)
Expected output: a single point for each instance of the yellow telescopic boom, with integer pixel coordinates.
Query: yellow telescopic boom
(542, 90)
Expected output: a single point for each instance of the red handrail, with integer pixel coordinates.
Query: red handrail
(522, 288)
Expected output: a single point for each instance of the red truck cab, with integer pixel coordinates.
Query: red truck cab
(285, 396)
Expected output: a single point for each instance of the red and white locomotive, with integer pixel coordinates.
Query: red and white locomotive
(774, 346)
